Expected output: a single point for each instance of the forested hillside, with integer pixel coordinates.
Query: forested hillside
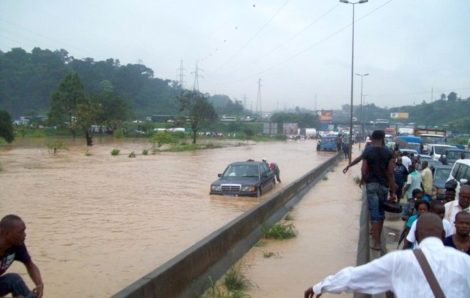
(27, 81)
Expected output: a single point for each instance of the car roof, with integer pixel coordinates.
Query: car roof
(243, 163)
(463, 161)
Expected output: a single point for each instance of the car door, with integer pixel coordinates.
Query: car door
(265, 177)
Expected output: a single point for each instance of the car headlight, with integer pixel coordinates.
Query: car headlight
(251, 188)
(216, 187)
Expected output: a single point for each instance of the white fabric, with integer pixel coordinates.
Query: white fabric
(452, 208)
(406, 161)
(399, 272)
(448, 228)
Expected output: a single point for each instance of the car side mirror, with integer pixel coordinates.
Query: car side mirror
(219, 175)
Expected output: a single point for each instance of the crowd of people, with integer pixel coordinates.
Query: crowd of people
(435, 260)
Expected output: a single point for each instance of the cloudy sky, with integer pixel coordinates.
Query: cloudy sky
(301, 49)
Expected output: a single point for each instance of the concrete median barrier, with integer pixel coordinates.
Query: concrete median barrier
(192, 271)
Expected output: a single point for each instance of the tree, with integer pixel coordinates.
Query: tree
(197, 109)
(452, 96)
(6, 127)
(113, 109)
(65, 101)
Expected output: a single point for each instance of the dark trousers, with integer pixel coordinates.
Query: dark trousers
(12, 283)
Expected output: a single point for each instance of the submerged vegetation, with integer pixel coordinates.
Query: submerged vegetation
(280, 231)
(232, 285)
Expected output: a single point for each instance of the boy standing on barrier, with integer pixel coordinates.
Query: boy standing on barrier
(12, 247)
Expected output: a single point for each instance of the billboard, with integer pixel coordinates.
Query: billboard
(270, 128)
(326, 116)
(290, 128)
(400, 115)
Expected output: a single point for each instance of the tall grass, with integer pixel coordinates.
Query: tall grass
(280, 231)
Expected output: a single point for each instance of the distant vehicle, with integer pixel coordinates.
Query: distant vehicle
(460, 172)
(409, 142)
(409, 151)
(327, 143)
(436, 150)
(249, 178)
(452, 155)
(441, 174)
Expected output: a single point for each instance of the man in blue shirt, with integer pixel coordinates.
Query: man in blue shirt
(12, 248)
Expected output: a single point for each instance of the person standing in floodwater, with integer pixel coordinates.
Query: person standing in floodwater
(378, 174)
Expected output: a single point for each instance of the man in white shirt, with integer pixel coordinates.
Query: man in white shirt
(406, 160)
(400, 272)
(455, 206)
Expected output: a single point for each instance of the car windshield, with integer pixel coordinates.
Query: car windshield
(414, 146)
(432, 140)
(441, 174)
(440, 149)
(453, 155)
(241, 171)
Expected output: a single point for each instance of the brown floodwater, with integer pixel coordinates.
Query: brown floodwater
(97, 222)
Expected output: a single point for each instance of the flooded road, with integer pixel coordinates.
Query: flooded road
(97, 223)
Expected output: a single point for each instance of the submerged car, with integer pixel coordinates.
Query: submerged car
(248, 178)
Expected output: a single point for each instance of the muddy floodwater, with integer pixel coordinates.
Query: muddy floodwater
(96, 222)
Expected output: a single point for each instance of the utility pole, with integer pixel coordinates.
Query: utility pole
(181, 74)
(258, 100)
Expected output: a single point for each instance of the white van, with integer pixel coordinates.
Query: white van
(461, 173)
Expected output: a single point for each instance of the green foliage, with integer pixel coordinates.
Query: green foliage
(65, 101)
(280, 231)
(288, 217)
(195, 107)
(249, 133)
(235, 281)
(145, 152)
(118, 133)
(55, 145)
(115, 152)
(6, 126)
(162, 138)
(268, 254)
(305, 120)
(132, 155)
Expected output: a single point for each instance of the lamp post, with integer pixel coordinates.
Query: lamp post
(362, 96)
(352, 74)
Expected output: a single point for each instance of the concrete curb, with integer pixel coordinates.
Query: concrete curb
(192, 271)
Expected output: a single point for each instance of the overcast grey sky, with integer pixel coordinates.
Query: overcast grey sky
(301, 49)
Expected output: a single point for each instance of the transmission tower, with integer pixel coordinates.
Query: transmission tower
(258, 99)
(181, 74)
(196, 78)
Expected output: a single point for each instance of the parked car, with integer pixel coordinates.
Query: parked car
(441, 174)
(452, 155)
(327, 143)
(248, 178)
(436, 150)
(460, 172)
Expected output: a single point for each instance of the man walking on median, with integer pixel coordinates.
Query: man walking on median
(400, 271)
(379, 178)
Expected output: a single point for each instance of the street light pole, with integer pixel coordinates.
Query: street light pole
(352, 75)
(362, 97)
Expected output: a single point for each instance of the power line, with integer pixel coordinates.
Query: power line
(253, 36)
(312, 45)
(290, 39)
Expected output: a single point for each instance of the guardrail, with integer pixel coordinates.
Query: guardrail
(192, 271)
